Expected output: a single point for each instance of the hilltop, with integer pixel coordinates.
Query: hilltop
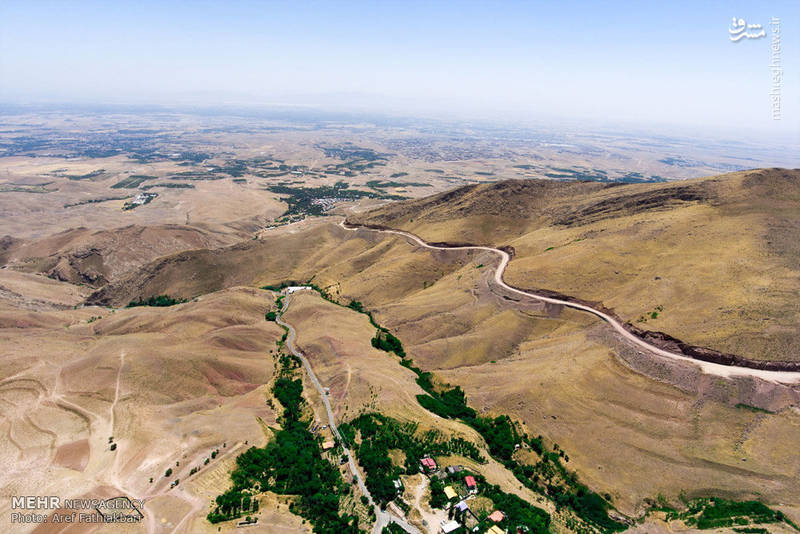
(95, 257)
(712, 261)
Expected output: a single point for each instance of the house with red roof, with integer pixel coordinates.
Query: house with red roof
(472, 486)
(428, 465)
(497, 516)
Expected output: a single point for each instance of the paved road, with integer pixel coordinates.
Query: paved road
(707, 367)
(383, 518)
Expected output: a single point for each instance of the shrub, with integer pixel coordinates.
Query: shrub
(357, 306)
(159, 301)
(384, 340)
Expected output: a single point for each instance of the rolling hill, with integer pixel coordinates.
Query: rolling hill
(711, 261)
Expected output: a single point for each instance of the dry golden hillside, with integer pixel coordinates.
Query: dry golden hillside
(319, 250)
(560, 372)
(84, 256)
(633, 427)
(708, 256)
(712, 261)
(167, 385)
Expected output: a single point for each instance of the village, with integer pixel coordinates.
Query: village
(458, 499)
(140, 200)
(460, 487)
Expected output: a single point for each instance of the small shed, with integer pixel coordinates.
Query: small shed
(328, 445)
(453, 469)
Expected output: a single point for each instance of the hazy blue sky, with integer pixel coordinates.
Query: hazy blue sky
(669, 62)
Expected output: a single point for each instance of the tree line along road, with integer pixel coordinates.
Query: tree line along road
(383, 517)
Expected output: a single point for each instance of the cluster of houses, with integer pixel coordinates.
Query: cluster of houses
(327, 203)
(458, 494)
(469, 482)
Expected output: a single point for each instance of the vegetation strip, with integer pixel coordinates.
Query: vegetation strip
(378, 434)
(156, 301)
(301, 200)
(721, 513)
(290, 464)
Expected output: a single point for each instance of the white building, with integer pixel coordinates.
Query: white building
(449, 526)
(292, 289)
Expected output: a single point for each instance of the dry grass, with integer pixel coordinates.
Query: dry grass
(363, 379)
(559, 374)
(646, 437)
(196, 374)
(190, 380)
(721, 264)
(221, 204)
(27, 290)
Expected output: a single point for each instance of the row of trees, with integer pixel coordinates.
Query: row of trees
(548, 476)
(291, 464)
(159, 301)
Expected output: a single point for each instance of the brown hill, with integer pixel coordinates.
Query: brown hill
(713, 261)
(512, 207)
(167, 385)
(84, 256)
(332, 257)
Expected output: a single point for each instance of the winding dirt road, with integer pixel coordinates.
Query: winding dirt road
(784, 377)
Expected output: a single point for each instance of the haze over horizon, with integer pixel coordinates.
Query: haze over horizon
(674, 65)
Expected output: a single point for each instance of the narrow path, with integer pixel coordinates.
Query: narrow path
(116, 390)
(196, 504)
(420, 492)
(114, 477)
(383, 518)
(786, 377)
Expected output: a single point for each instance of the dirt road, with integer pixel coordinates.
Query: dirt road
(383, 518)
(785, 377)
